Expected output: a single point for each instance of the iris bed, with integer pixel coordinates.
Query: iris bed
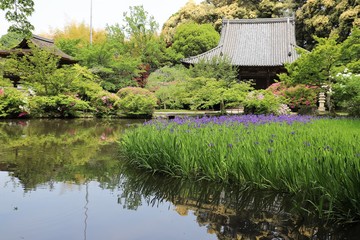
(317, 157)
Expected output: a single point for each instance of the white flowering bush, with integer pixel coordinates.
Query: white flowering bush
(13, 103)
(346, 92)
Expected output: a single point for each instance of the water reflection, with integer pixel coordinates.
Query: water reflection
(229, 212)
(43, 151)
(80, 158)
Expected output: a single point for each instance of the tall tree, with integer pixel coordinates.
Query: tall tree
(192, 39)
(17, 12)
(213, 11)
(350, 51)
(80, 32)
(323, 18)
(140, 29)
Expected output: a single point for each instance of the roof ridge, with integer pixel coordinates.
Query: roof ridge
(258, 20)
(42, 38)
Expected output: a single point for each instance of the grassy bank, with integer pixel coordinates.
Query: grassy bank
(319, 158)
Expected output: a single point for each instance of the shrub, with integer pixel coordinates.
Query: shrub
(13, 103)
(164, 82)
(347, 92)
(263, 102)
(299, 97)
(57, 106)
(169, 97)
(136, 101)
(166, 75)
(104, 104)
(5, 82)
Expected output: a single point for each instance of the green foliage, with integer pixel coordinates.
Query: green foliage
(294, 158)
(119, 58)
(299, 96)
(204, 86)
(165, 76)
(169, 96)
(136, 101)
(347, 92)
(57, 106)
(236, 93)
(10, 40)
(5, 82)
(217, 67)
(84, 83)
(263, 102)
(350, 51)
(319, 66)
(60, 150)
(139, 24)
(143, 42)
(165, 82)
(192, 39)
(13, 103)
(37, 71)
(69, 46)
(205, 93)
(213, 12)
(17, 13)
(104, 104)
(124, 69)
(315, 67)
(324, 18)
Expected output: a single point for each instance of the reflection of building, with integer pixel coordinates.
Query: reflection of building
(249, 221)
(24, 48)
(258, 47)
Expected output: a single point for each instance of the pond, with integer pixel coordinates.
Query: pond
(64, 179)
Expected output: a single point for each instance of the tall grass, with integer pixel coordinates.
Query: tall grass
(319, 158)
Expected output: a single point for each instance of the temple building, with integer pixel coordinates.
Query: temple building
(24, 48)
(259, 48)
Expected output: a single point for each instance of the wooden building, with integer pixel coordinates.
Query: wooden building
(259, 48)
(24, 48)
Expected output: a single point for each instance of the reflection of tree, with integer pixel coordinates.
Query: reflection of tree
(228, 212)
(44, 151)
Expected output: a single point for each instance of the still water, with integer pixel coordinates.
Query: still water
(64, 179)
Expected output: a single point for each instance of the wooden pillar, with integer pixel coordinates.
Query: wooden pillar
(268, 78)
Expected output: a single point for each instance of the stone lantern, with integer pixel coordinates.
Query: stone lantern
(321, 108)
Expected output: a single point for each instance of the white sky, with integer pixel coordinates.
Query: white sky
(52, 14)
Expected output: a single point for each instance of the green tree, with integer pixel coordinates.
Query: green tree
(140, 31)
(36, 70)
(17, 13)
(206, 93)
(213, 11)
(217, 67)
(164, 82)
(322, 18)
(136, 101)
(192, 39)
(11, 39)
(80, 32)
(350, 51)
(347, 92)
(317, 67)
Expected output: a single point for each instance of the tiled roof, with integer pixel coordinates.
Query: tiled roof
(49, 44)
(254, 42)
(41, 42)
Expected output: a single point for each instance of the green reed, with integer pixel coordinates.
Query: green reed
(320, 159)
